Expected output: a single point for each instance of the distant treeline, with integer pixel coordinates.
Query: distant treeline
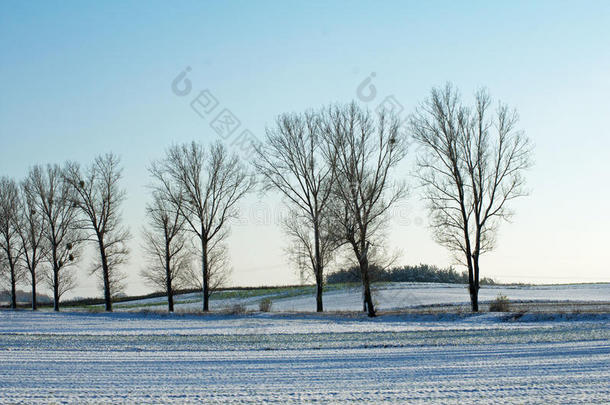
(24, 296)
(419, 273)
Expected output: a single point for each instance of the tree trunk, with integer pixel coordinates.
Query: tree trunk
(168, 280)
(170, 297)
(319, 271)
(473, 291)
(474, 298)
(13, 287)
(474, 303)
(34, 301)
(366, 285)
(319, 290)
(106, 275)
(55, 288)
(474, 286)
(204, 270)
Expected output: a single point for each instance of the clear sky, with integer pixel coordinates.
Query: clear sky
(82, 78)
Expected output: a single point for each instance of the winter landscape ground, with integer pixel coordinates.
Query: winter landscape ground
(388, 297)
(149, 357)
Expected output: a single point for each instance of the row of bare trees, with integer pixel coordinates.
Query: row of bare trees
(47, 218)
(335, 168)
(332, 166)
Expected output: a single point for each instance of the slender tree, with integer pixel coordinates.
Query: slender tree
(32, 234)
(292, 162)
(362, 151)
(98, 197)
(9, 233)
(471, 166)
(167, 245)
(53, 198)
(211, 181)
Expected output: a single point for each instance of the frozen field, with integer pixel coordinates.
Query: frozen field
(390, 296)
(453, 359)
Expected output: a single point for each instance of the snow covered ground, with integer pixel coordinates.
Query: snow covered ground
(392, 296)
(287, 358)
(405, 295)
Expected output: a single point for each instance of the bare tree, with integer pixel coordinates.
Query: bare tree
(362, 151)
(212, 182)
(53, 197)
(167, 245)
(98, 197)
(292, 162)
(9, 233)
(471, 166)
(32, 235)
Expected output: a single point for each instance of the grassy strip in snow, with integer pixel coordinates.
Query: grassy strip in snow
(275, 293)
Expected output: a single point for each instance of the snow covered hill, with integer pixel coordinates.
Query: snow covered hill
(388, 296)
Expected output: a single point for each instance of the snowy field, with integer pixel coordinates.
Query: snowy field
(285, 358)
(390, 296)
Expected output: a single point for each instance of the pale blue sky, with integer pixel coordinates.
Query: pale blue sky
(82, 78)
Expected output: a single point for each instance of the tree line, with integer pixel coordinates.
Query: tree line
(422, 273)
(335, 167)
